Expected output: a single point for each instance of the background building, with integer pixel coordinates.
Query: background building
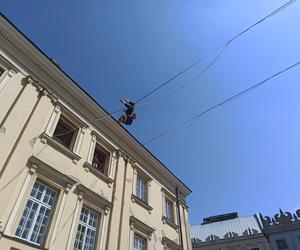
(228, 231)
(283, 231)
(70, 176)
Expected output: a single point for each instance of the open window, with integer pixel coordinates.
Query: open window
(100, 159)
(65, 132)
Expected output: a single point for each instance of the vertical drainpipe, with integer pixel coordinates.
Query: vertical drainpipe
(179, 218)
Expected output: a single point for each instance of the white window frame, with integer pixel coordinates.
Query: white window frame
(87, 226)
(40, 205)
(47, 136)
(139, 228)
(100, 206)
(142, 188)
(7, 74)
(172, 207)
(139, 236)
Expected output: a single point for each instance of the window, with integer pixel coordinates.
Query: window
(65, 133)
(169, 206)
(35, 218)
(87, 229)
(139, 243)
(281, 244)
(99, 160)
(142, 189)
(1, 71)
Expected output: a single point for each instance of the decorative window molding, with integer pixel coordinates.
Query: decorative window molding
(34, 223)
(170, 244)
(7, 71)
(39, 172)
(102, 158)
(169, 209)
(140, 227)
(88, 167)
(90, 200)
(141, 203)
(67, 152)
(139, 242)
(65, 129)
(141, 188)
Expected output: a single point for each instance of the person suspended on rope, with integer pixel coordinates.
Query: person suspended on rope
(129, 114)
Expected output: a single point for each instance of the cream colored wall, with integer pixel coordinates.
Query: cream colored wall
(21, 141)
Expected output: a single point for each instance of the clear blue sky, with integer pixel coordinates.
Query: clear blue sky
(243, 157)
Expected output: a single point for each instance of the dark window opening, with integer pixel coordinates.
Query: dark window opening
(281, 244)
(1, 71)
(100, 157)
(65, 133)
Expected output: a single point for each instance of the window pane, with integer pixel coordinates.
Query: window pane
(169, 209)
(87, 229)
(141, 189)
(139, 243)
(64, 133)
(35, 218)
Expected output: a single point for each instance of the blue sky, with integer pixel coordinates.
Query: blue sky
(241, 157)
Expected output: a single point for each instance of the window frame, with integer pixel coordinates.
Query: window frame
(141, 229)
(101, 148)
(74, 129)
(139, 173)
(97, 228)
(166, 195)
(143, 189)
(61, 112)
(109, 150)
(140, 236)
(171, 203)
(9, 70)
(51, 220)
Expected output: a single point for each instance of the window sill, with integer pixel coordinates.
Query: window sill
(100, 175)
(52, 142)
(143, 204)
(170, 243)
(169, 222)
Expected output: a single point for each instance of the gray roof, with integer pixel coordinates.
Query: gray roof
(226, 229)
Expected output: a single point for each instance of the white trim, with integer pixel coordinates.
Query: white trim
(103, 230)
(8, 74)
(72, 233)
(53, 121)
(59, 216)
(31, 175)
(79, 140)
(92, 149)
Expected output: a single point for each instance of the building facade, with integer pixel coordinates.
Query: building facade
(70, 176)
(229, 232)
(283, 230)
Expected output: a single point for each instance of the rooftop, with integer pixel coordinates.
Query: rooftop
(226, 228)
